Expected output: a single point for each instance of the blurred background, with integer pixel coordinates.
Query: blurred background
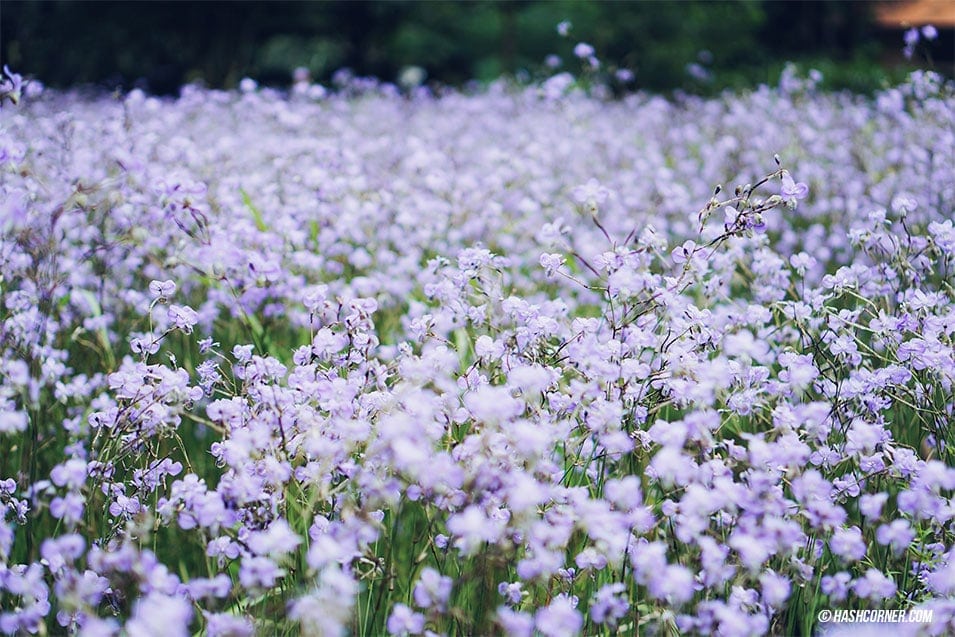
(697, 46)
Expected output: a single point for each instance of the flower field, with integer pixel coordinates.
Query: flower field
(522, 361)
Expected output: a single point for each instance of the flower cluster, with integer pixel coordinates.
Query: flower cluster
(913, 36)
(372, 362)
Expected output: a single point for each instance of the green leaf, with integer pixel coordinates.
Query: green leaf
(101, 334)
(90, 299)
(462, 343)
(256, 213)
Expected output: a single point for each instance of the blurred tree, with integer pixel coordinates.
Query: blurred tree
(159, 45)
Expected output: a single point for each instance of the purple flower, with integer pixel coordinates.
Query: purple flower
(942, 579)
(799, 370)
(551, 263)
(158, 615)
(836, 586)
(13, 421)
(515, 623)
(512, 592)
(583, 50)
(589, 558)
(226, 625)
(69, 508)
(674, 584)
(904, 203)
(898, 535)
(432, 589)
(183, 317)
(553, 89)
(124, 506)
(752, 550)
(683, 253)
(275, 541)
(609, 604)
(874, 585)
(870, 505)
(404, 621)
(61, 551)
(848, 543)
(672, 467)
(11, 88)
(775, 588)
(326, 610)
(96, 627)
(162, 290)
(911, 36)
(755, 380)
(71, 474)
(591, 195)
(559, 619)
(911, 39)
(792, 190)
(216, 587)
(259, 572)
(147, 344)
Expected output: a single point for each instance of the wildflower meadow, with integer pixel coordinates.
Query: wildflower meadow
(522, 360)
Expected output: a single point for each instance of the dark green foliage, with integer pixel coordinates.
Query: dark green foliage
(161, 45)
